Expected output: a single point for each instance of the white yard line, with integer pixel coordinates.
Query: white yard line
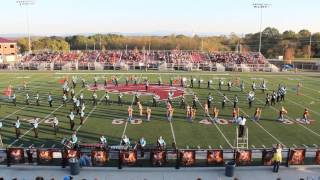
(222, 134)
(171, 126)
(9, 115)
(126, 124)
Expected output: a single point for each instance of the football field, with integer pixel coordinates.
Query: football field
(99, 119)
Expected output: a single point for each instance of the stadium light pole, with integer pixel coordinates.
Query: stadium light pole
(27, 3)
(260, 6)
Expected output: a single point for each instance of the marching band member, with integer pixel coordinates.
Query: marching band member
(242, 86)
(106, 82)
(78, 104)
(130, 111)
(193, 113)
(71, 118)
(140, 107)
(94, 98)
(191, 82)
(120, 99)
(229, 85)
(72, 92)
(250, 98)
(215, 112)
(220, 84)
(305, 116)
(235, 114)
(206, 109)
(299, 85)
(209, 100)
(182, 102)
(83, 82)
(224, 100)
(170, 113)
(37, 99)
(107, 97)
(253, 86)
(194, 102)
(147, 85)
(263, 86)
(161, 143)
(116, 81)
(189, 113)
(282, 112)
(50, 99)
(268, 99)
(235, 101)
(127, 81)
(154, 100)
(27, 99)
(142, 144)
(35, 127)
(14, 99)
(55, 123)
(74, 81)
(136, 98)
(209, 84)
(64, 99)
(273, 98)
(103, 140)
(95, 81)
(148, 113)
(283, 92)
(170, 96)
(257, 114)
(199, 83)
(159, 81)
(125, 141)
(81, 98)
(17, 125)
(81, 116)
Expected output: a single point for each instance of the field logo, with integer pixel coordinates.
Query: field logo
(161, 92)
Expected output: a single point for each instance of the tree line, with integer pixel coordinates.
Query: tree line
(288, 44)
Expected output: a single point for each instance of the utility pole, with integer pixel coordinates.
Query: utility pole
(27, 3)
(261, 6)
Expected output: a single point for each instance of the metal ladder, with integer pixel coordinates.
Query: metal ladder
(242, 142)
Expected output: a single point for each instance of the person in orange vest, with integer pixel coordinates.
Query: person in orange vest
(206, 110)
(140, 108)
(130, 111)
(170, 113)
(257, 114)
(282, 112)
(148, 113)
(215, 112)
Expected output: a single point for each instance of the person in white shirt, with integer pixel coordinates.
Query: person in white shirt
(107, 98)
(242, 124)
(103, 140)
(94, 98)
(125, 141)
(50, 99)
(74, 138)
(55, 125)
(35, 127)
(71, 118)
(14, 99)
(161, 143)
(37, 99)
(27, 99)
(81, 117)
(64, 99)
(17, 127)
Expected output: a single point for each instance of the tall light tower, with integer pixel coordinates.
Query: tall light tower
(27, 3)
(260, 6)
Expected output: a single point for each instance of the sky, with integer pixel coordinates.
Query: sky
(65, 17)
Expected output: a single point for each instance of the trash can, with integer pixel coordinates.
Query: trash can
(230, 166)
(74, 166)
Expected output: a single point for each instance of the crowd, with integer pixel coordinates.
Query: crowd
(143, 56)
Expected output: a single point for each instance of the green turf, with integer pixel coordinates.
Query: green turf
(98, 122)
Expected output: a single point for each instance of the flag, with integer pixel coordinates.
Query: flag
(7, 91)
